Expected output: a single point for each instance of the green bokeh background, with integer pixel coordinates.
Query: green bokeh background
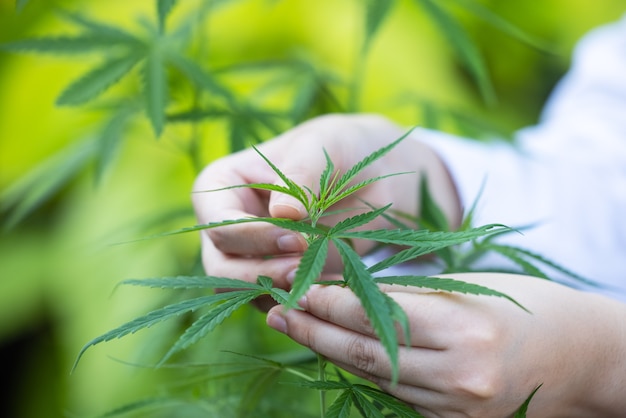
(59, 267)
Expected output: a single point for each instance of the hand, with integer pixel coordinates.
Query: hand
(243, 251)
(479, 356)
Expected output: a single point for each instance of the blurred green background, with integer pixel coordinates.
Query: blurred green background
(60, 264)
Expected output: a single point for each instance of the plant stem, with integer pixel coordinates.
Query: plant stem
(321, 376)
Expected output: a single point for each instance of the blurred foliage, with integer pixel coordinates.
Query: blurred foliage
(76, 180)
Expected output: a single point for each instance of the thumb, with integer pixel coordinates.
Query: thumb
(282, 205)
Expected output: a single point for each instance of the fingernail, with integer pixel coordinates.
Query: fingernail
(289, 243)
(276, 321)
(291, 276)
(303, 303)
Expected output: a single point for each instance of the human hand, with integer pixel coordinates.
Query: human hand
(246, 251)
(478, 356)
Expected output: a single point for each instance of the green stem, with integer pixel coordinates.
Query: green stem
(321, 376)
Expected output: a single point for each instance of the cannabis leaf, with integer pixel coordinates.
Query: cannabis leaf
(368, 401)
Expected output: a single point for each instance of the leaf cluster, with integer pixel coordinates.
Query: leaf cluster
(382, 311)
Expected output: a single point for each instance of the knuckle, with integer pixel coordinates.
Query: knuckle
(362, 354)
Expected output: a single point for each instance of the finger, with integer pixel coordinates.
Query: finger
(361, 354)
(217, 263)
(431, 315)
(256, 239)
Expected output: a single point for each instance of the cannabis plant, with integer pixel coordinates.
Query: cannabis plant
(160, 74)
(383, 312)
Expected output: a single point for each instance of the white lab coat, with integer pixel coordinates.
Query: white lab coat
(567, 174)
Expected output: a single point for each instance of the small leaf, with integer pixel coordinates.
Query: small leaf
(207, 322)
(294, 190)
(44, 181)
(365, 407)
(464, 47)
(504, 25)
(155, 90)
(285, 223)
(109, 142)
(341, 406)
(192, 282)
(20, 4)
(103, 31)
(349, 175)
(199, 76)
(445, 284)
(425, 242)
(157, 316)
(64, 44)
(97, 81)
(394, 405)
(431, 215)
(356, 221)
(521, 412)
(309, 269)
(375, 13)
(508, 250)
(164, 7)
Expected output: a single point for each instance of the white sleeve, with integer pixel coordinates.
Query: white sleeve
(567, 174)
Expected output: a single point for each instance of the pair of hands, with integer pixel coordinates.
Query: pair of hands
(468, 355)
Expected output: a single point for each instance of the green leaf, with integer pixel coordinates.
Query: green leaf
(254, 391)
(399, 408)
(327, 177)
(521, 412)
(207, 322)
(504, 25)
(40, 184)
(374, 302)
(97, 81)
(338, 192)
(66, 44)
(199, 76)
(516, 254)
(512, 254)
(104, 31)
(464, 47)
(157, 316)
(294, 190)
(20, 4)
(155, 90)
(375, 13)
(192, 282)
(424, 242)
(365, 407)
(431, 215)
(356, 221)
(309, 269)
(324, 385)
(285, 223)
(445, 284)
(109, 141)
(164, 7)
(341, 406)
